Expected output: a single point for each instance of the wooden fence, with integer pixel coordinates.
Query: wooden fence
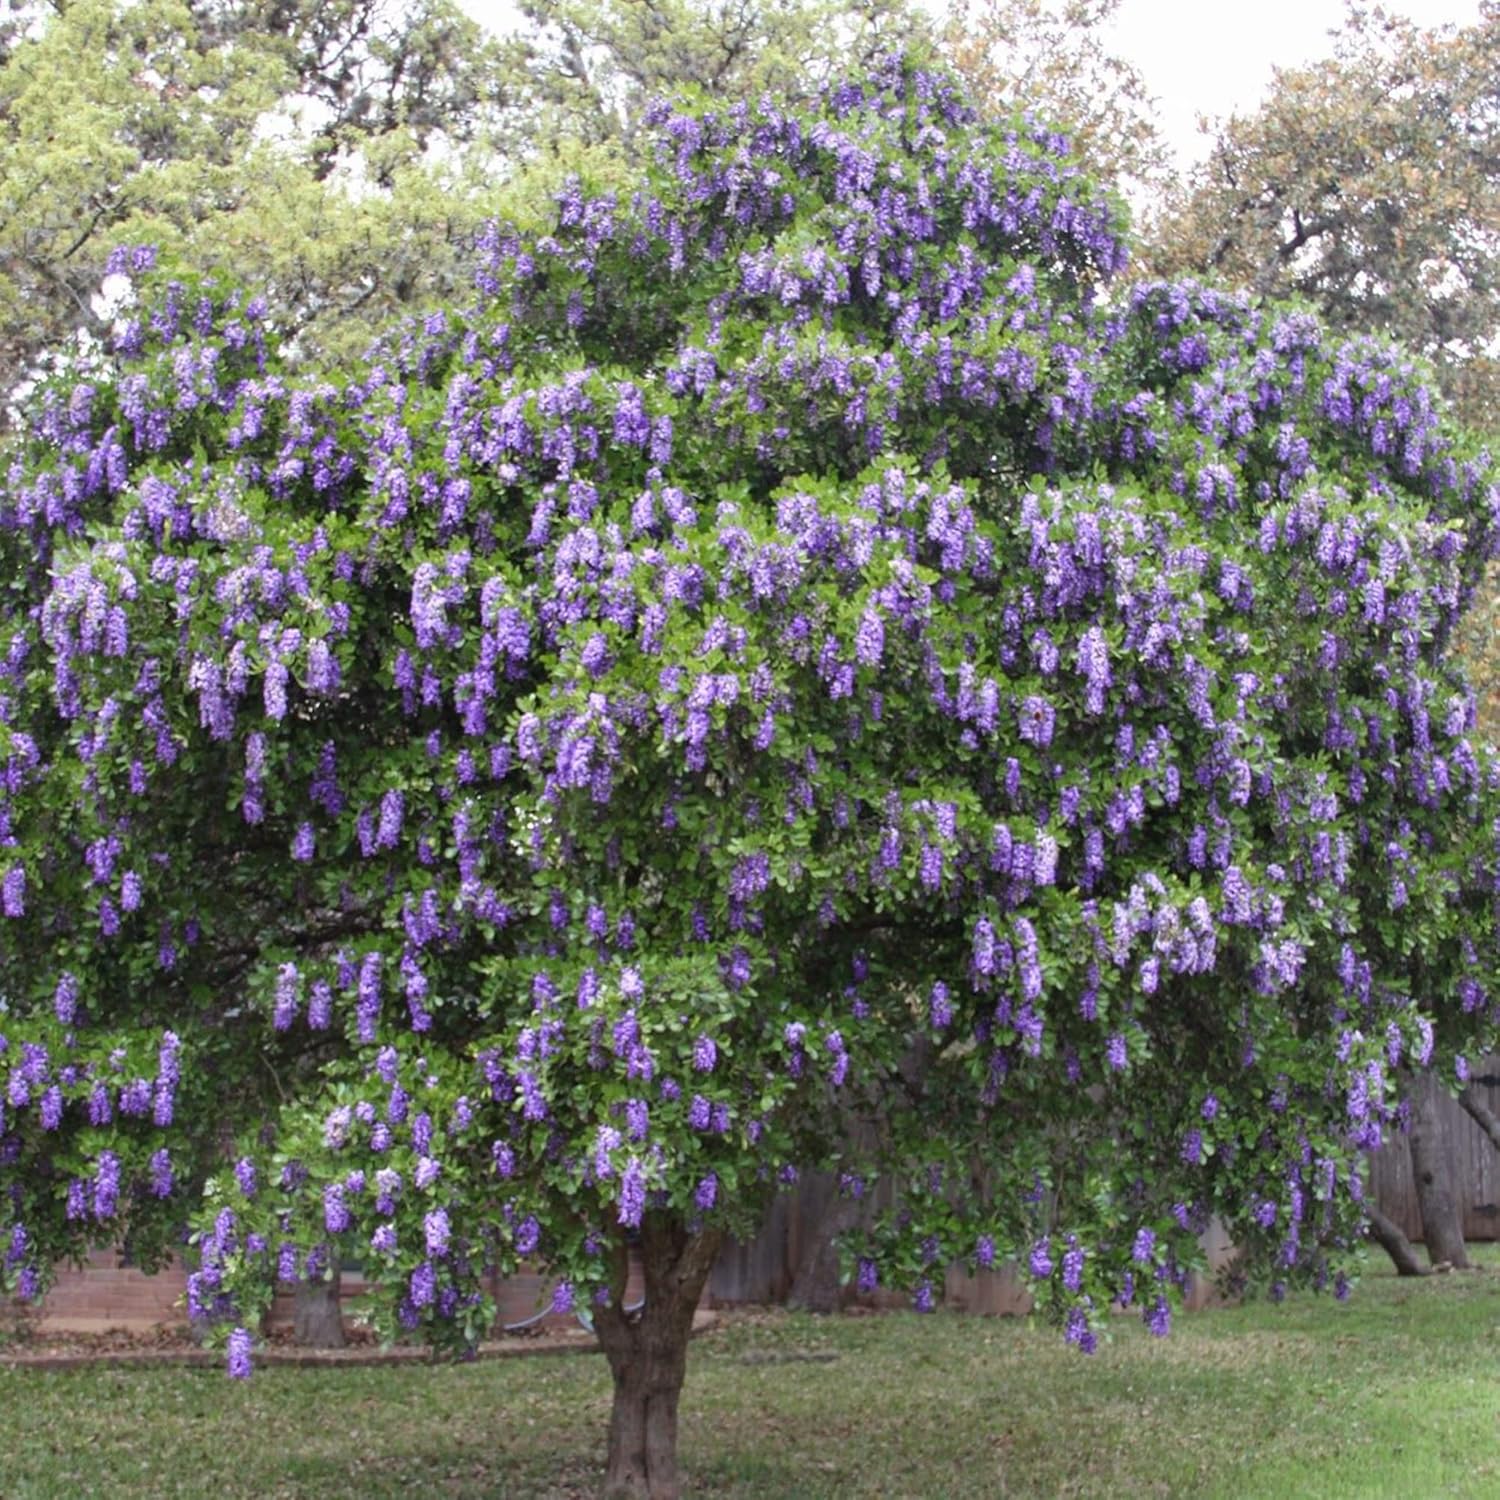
(1475, 1166)
(104, 1295)
(763, 1269)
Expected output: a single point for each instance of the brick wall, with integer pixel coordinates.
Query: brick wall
(104, 1295)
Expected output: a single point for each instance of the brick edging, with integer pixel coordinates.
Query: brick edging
(211, 1359)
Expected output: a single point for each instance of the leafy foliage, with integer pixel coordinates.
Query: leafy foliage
(792, 653)
(345, 153)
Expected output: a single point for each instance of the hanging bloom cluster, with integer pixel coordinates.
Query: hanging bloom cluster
(794, 632)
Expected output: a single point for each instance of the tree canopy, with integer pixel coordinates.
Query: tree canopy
(286, 145)
(796, 647)
(1367, 183)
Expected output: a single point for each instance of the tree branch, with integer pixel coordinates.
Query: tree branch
(1481, 1114)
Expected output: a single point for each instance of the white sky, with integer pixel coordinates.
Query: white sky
(1215, 58)
(1199, 57)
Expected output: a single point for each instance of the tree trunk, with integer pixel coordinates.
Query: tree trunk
(1387, 1234)
(647, 1354)
(317, 1321)
(815, 1283)
(1481, 1114)
(1442, 1226)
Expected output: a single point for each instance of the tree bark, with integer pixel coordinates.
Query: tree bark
(1387, 1234)
(1442, 1226)
(815, 1283)
(1481, 1114)
(647, 1354)
(317, 1320)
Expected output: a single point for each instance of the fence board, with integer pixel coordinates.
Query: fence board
(762, 1269)
(1476, 1166)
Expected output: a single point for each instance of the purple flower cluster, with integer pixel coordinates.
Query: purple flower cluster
(639, 730)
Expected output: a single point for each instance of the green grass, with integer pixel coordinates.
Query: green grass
(1394, 1394)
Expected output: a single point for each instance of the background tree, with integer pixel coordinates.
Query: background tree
(344, 154)
(1048, 57)
(789, 657)
(229, 135)
(597, 64)
(1367, 184)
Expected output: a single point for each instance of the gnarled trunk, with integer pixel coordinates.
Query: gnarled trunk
(317, 1319)
(1432, 1174)
(1387, 1234)
(647, 1354)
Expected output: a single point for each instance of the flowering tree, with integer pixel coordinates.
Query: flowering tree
(795, 656)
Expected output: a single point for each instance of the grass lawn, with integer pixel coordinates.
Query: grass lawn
(1395, 1393)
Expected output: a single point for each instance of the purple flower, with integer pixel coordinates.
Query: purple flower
(336, 1217)
(106, 1186)
(65, 999)
(392, 812)
(528, 1235)
(239, 1354)
(607, 1141)
(632, 1203)
(288, 984)
(320, 1005)
(1040, 1259)
(940, 1007)
(244, 1174)
(161, 1174)
(705, 1055)
(436, 1232)
(1037, 720)
(1072, 1268)
(706, 1192)
(1076, 1331)
(422, 1287)
(1158, 1318)
(336, 1126)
